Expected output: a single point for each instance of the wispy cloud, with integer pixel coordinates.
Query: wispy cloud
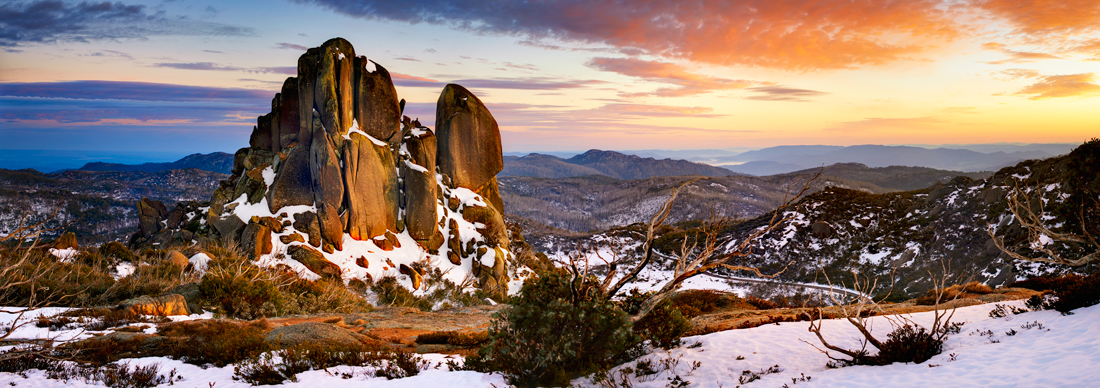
(530, 83)
(291, 46)
(686, 83)
(778, 93)
(138, 91)
(1057, 86)
(210, 66)
(48, 21)
(1016, 56)
(790, 34)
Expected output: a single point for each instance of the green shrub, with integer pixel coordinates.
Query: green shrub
(556, 329)
(392, 294)
(663, 326)
(241, 291)
(218, 342)
(265, 370)
(1069, 292)
(453, 338)
(908, 343)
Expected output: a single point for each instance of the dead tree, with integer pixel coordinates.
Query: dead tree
(22, 271)
(1041, 236)
(857, 312)
(697, 255)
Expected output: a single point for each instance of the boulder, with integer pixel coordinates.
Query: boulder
(371, 181)
(174, 218)
(307, 80)
(495, 231)
(315, 261)
(307, 223)
(169, 304)
(490, 192)
(412, 274)
(377, 109)
(191, 294)
(177, 259)
(293, 237)
(66, 241)
(150, 214)
(469, 150)
(313, 333)
(256, 240)
(292, 185)
(421, 190)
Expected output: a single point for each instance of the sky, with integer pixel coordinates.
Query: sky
(184, 76)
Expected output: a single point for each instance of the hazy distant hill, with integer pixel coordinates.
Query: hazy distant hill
(219, 162)
(784, 159)
(609, 163)
(894, 177)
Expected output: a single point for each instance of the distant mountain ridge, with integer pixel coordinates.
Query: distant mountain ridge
(609, 163)
(783, 159)
(219, 162)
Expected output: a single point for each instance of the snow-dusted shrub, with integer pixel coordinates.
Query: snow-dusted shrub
(559, 327)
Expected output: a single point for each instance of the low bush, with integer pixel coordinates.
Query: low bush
(559, 327)
(241, 291)
(392, 294)
(663, 326)
(217, 342)
(907, 343)
(20, 359)
(1067, 293)
(282, 365)
(455, 338)
(693, 303)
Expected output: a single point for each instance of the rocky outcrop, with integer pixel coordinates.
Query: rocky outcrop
(336, 163)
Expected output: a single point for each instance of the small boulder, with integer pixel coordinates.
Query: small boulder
(314, 260)
(66, 241)
(177, 259)
(412, 274)
(256, 240)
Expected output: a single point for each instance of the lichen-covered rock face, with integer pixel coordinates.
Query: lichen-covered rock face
(370, 175)
(469, 150)
(421, 191)
(335, 177)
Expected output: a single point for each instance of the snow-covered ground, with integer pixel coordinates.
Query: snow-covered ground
(1064, 352)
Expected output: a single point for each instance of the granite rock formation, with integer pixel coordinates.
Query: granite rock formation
(336, 162)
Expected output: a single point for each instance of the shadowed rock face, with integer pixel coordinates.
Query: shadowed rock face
(469, 140)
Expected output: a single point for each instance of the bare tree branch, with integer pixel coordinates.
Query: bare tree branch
(1036, 229)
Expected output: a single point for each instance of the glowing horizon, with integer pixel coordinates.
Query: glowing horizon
(568, 75)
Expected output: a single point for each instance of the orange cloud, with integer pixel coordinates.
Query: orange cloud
(1043, 16)
(687, 83)
(784, 34)
(1070, 85)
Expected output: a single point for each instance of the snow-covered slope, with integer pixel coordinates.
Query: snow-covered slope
(1063, 352)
